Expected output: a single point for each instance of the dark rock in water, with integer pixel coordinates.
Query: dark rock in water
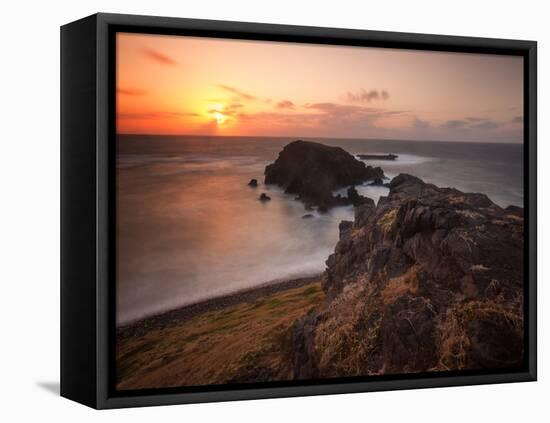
(307, 216)
(377, 156)
(387, 185)
(377, 182)
(314, 171)
(264, 197)
(253, 183)
(354, 197)
(428, 279)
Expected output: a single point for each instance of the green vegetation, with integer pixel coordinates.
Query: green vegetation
(238, 343)
(388, 219)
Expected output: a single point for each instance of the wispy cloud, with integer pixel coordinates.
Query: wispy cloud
(421, 124)
(238, 93)
(364, 96)
(233, 109)
(350, 111)
(159, 57)
(285, 104)
(130, 91)
(469, 123)
(326, 116)
(155, 115)
(455, 124)
(475, 119)
(485, 124)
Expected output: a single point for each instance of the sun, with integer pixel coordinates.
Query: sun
(219, 117)
(215, 111)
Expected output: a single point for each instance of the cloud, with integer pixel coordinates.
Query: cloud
(485, 124)
(155, 115)
(454, 124)
(285, 104)
(232, 109)
(239, 94)
(471, 123)
(159, 57)
(517, 119)
(325, 119)
(347, 111)
(130, 91)
(364, 96)
(323, 115)
(421, 124)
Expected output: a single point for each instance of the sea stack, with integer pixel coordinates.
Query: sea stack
(314, 171)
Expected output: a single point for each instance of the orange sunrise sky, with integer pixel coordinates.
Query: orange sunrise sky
(206, 86)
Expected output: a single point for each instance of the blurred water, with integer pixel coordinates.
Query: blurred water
(190, 228)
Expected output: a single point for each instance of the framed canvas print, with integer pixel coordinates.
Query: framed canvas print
(255, 211)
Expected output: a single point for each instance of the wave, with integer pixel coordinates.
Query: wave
(191, 162)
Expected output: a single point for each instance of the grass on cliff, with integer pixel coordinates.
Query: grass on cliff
(217, 346)
(388, 220)
(453, 338)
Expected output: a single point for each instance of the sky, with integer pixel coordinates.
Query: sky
(174, 85)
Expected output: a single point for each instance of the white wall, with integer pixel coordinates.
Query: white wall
(29, 239)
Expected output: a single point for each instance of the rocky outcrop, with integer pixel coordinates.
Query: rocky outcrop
(313, 171)
(355, 198)
(378, 156)
(429, 279)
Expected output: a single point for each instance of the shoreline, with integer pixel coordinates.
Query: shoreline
(186, 312)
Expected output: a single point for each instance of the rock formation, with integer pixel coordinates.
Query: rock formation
(377, 156)
(429, 279)
(313, 171)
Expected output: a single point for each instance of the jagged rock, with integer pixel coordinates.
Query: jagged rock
(354, 197)
(303, 358)
(253, 183)
(314, 171)
(264, 197)
(428, 279)
(345, 225)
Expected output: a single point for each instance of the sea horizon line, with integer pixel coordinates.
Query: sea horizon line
(309, 138)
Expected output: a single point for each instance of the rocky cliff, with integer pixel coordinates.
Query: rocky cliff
(313, 171)
(429, 279)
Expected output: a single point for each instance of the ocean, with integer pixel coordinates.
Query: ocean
(190, 228)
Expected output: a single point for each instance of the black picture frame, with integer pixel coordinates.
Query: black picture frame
(87, 207)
